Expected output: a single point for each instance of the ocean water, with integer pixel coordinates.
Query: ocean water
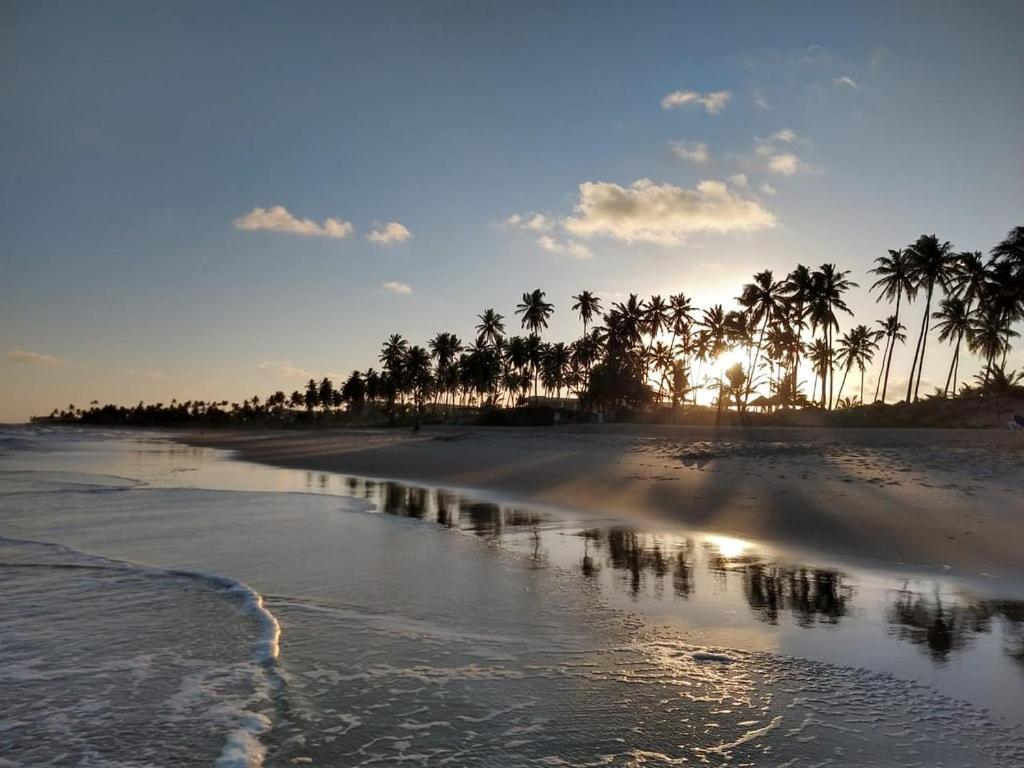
(165, 605)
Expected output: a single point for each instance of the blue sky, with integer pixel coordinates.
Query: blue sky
(136, 137)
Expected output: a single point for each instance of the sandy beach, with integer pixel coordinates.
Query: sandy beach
(945, 499)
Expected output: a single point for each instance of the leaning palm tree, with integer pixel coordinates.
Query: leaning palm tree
(931, 263)
(534, 311)
(586, 305)
(954, 322)
(895, 280)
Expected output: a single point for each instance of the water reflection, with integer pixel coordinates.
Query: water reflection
(704, 568)
(941, 626)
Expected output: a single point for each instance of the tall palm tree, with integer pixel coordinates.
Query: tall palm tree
(586, 305)
(931, 263)
(954, 318)
(762, 299)
(895, 280)
(798, 287)
(534, 311)
(715, 328)
(828, 285)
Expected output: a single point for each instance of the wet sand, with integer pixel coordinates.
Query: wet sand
(943, 499)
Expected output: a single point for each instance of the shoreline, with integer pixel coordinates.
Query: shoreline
(931, 499)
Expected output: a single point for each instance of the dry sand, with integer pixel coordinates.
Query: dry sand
(944, 499)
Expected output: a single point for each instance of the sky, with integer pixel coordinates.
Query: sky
(215, 200)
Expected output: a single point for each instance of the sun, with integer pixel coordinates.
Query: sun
(729, 358)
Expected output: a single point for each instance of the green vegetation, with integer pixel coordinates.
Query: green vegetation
(653, 358)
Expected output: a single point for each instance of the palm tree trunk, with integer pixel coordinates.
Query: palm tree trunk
(842, 384)
(885, 353)
(753, 365)
(924, 339)
(831, 372)
(952, 366)
(862, 386)
(917, 349)
(892, 348)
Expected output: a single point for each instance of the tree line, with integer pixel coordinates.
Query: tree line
(662, 351)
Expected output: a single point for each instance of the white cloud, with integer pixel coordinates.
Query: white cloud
(662, 213)
(403, 289)
(692, 151)
(535, 222)
(775, 156)
(284, 369)
(786, 164)
(568, 248)
(739, 180)
(389, 233)
(32, 358)
(846, 81)
(278, 219)
(768, 189)
(713, 102)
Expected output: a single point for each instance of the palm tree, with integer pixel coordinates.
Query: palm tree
(954, 318)
(714, 327)
(535, 311)
(895, 280)
(893, 331)
(798, 288)
(655, 318)
(858, 348)
(586, 305)
(990, 336)
(763, 301)
(491, 328)
(820, 354)
(931, 264)
(828, 285)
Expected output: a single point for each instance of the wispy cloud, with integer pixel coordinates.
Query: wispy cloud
(387, 234)
(403, 289)
(148, 373)
(663, 213)
(768, 189)
(774, 154)
(691, 151)
(847, 82)
(739, 180)
(32, 358)
(713, 102)
(567, 248)
(284, 369)
(277, 218)
(532, 221)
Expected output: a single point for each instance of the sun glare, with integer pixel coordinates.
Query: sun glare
(728, 547)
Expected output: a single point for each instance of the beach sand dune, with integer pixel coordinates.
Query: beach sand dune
(947, 499)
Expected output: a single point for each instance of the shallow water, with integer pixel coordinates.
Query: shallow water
(450, 630)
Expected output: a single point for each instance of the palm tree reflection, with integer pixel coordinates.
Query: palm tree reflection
(645, 565)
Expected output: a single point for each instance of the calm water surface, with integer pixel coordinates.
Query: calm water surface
(169, 605)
